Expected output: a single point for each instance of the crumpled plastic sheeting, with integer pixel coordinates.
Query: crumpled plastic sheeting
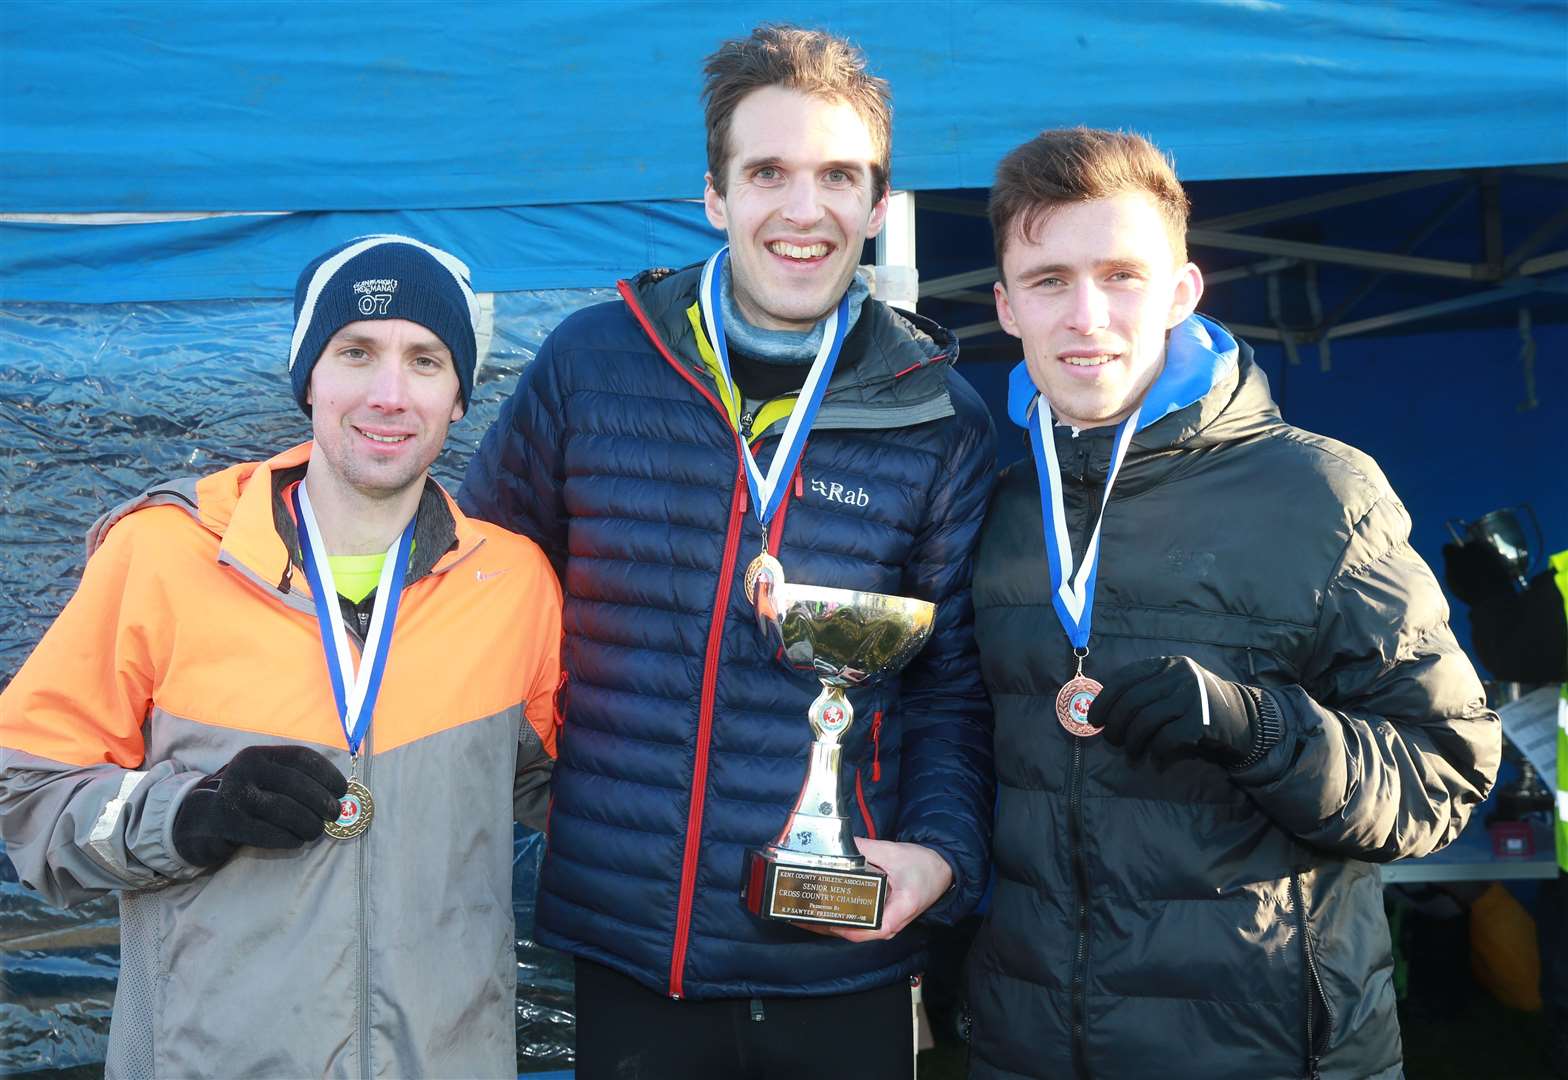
(97, 402)
(57, 972)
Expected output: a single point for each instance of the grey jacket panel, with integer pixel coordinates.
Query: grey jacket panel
(1217, 914)
(259, 967)
(76, 833)
(531, 782)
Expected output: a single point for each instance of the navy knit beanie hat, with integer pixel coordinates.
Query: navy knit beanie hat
(383, 277)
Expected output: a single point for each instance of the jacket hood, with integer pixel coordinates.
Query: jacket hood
(1200, 356)
(1210, 391)
(240, 507)
(899, 376)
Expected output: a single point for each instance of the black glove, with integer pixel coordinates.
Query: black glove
(1155, 707)
(267, 796)
(1476, 573)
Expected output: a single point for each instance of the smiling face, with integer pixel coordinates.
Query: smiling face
(1091, 295)
(382, 396)
(797, 206)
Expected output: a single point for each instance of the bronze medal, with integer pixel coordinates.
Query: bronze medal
(764, 566)
(355, 810)
(1072, 704)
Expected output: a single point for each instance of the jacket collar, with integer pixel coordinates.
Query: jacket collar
(899, 377)
(1209, 392)
(1200, 356)
(244, 506)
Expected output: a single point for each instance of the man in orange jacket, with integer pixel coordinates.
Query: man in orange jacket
(317, 643)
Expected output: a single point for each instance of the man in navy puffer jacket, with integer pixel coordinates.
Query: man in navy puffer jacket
(622, 452)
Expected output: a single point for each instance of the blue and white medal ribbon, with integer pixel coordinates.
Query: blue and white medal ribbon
(767, 489)
(1072, 584)
(1199, 355)
(356, 700)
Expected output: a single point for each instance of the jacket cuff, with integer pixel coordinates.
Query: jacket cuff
(1273, 749)
(154, 844)
(1267, 730)
(947, 908)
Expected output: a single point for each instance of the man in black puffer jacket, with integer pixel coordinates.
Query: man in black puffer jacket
(1185, 884)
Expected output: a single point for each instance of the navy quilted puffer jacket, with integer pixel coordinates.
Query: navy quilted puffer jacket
(684, 740)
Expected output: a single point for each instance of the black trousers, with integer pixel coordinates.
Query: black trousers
(628, 1032)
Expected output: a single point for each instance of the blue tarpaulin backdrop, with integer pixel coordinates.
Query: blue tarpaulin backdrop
(397, 106)
(411, 107)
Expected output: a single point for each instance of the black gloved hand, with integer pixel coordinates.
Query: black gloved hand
(1156, 707)
(1476, 573)
(267, 796)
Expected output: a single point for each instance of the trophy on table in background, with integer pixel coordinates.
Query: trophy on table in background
(843, 638)
(1503, 532)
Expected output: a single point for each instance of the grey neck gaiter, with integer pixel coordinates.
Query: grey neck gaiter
(780, 346)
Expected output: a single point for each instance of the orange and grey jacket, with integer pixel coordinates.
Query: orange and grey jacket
(192, 636)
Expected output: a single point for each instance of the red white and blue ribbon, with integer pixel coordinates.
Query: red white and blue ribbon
(767, 490)
(1072, 583)
(356, 700)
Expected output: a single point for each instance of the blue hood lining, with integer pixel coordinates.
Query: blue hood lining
(1199, 354)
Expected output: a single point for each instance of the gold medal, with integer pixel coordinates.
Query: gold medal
(1072, 704)
(355, 810)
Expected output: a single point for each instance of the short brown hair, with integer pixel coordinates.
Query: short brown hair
(1078, 165)
(811, 61)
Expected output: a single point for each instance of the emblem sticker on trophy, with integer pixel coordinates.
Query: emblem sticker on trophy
(813, 871)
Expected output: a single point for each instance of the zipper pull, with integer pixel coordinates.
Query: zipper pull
(876, 747)
(800, 485)
(558, 701)
(746, 420)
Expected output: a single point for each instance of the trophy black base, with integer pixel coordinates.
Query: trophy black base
(774, 888)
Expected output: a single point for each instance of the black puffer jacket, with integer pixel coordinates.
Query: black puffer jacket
(1190, 922)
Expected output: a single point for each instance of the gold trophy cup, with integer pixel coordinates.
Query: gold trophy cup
(842, 638)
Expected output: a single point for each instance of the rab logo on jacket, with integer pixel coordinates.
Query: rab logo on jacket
(836, 492)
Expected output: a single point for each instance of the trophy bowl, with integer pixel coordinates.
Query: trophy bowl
(842, 637)
(813, 872)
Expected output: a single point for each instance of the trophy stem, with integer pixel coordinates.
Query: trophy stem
(818, 826)
(831, 713)
(814, 872)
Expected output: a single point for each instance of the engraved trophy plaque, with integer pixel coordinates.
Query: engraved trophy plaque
(813, 872)
(1504, 532)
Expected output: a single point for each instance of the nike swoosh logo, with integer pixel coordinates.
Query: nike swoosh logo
(480, 575)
